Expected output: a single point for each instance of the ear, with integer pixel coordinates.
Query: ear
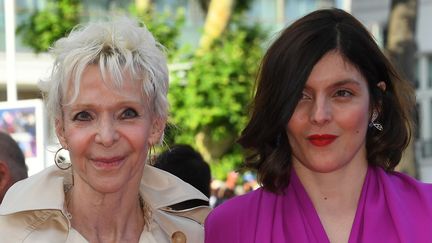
(60, 131)
(5, 179)
(377, 108)
(157, 130)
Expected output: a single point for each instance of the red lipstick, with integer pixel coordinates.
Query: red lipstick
(321, 139)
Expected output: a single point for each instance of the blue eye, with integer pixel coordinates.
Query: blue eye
(82, 116)
(129, 113)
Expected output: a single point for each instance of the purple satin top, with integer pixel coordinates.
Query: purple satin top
(393, 207)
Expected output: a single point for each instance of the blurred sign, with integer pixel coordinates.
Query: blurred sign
(24, 121)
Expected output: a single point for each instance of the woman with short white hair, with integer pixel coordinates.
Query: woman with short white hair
(107, 98)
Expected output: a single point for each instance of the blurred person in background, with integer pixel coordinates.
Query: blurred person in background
(330, 120)
(107, 98)
(12, 163)
(249, 182)
(187, 164)
(227, 190)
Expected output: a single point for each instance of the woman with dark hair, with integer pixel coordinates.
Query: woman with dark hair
(331, 118)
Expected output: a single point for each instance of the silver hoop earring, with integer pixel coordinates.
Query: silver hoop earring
(151, 155)
(60, 161)
(373, 122)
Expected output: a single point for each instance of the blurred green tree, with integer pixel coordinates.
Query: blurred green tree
(209, 98)
(209, 102)
(49, 24)
(165, 26)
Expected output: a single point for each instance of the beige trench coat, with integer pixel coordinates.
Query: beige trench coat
(33, 210)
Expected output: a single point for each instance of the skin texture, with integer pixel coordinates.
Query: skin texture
(108, 132)
(334, 103)
(327, 133)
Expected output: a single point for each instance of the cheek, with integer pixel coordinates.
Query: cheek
(355, 119)
(137, 136)
(297, 121)
(77, 139)
(293, 129)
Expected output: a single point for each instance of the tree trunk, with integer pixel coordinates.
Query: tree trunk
(402, 48)
(218, 16)
(204, 4)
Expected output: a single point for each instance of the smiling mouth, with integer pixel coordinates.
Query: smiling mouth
(321, 140)
(107, 163)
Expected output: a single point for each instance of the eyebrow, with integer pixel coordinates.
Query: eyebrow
(340, 83)
(79, 106)
(346, 81)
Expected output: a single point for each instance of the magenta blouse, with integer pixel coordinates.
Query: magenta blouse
(393, 207)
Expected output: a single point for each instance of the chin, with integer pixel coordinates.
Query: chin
(325, 167)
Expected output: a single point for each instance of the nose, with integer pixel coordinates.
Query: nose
(321, 112)
(106, 134)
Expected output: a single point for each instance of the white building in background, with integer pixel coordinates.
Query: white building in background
(374, 15)
(272, 13)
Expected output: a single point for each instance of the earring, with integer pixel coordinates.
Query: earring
(151, 155)
(60, 161)
(372, 123)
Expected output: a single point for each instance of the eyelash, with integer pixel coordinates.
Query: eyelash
(78, 116)
(129, 110)
(339, 93)
(305, 96)
(86, 116)
(343, 93)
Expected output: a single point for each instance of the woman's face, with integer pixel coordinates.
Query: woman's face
(107, 132)
(328, 128)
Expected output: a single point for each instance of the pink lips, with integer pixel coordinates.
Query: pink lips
(107, 163)
(321, 139)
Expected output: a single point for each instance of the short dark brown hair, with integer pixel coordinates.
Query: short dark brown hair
(283, 73)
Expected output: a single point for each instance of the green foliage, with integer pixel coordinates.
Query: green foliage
(165, 26)
(214, 94)
(211, 96)
(47, 25)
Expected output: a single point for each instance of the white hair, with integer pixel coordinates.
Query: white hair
(120, 47)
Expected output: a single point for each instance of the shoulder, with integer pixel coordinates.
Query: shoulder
(31, 203)
(401, 180)
(33, 226)
(162, 189)
(236, 205)
(226, 221)
(405, 187)
(42, 191)
(177, 205)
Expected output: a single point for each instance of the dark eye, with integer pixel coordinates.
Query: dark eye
(129, 113)
(343, 93)
(82, 116)
(305, 96)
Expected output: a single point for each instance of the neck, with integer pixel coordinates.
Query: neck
(335, 196)
(342, 186)
(107, 217)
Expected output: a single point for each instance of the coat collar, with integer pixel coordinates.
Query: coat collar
(45, 190)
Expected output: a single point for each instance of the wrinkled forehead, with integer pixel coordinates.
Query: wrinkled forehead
(94, 77)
